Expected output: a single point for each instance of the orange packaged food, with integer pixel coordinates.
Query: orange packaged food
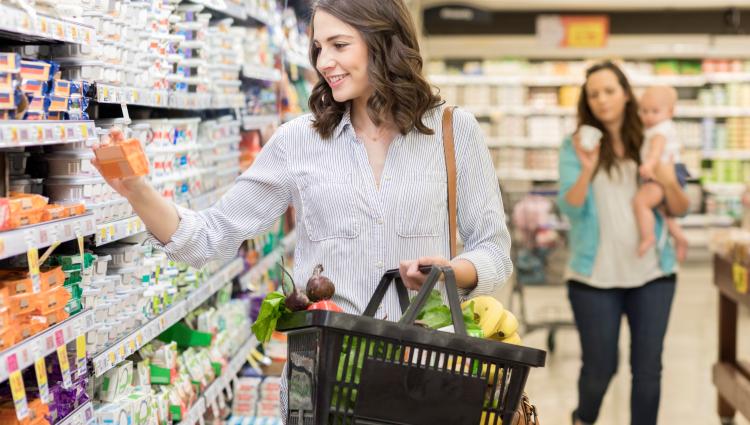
(26, 217)
(23, 303)
(5, 222)
(38, 413)
(76, 209)
(26, 201)
(8, 338)
(30, 325)
(52, 300)
(55, 316)
(4, 302)
(55, 212)
(17, 281)
(122, 158)
(5, 319)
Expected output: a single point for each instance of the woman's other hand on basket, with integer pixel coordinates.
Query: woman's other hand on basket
(410, 274)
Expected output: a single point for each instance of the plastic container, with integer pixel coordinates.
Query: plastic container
(17, 162)
(78, 189)
(375, 356)
(26, 184)
(71, 164)
(123, 254)
(125, 159)
(87, 70)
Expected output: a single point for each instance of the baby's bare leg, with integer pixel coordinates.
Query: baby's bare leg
(648, 197)
(680, 241)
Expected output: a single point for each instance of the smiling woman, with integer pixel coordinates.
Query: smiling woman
(362, 46)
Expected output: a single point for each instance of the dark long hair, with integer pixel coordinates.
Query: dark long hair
(394, 66)
(632, 127)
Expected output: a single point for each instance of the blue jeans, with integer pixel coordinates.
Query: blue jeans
(598, 313)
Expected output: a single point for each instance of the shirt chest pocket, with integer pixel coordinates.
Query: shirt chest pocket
(422, 206)
(328, 208)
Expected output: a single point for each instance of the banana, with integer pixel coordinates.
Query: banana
(490, 312)
(509, 325)
(514, 339)
(491, 420)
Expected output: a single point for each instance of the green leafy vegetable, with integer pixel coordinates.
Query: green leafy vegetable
(436, 315)
(270, 310)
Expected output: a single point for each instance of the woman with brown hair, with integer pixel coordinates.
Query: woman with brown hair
(365, 172)
(606, 278)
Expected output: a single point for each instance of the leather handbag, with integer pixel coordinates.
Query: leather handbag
(526, 412)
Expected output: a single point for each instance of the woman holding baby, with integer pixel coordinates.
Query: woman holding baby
(615, 269)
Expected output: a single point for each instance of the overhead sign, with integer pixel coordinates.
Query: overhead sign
(574, 31)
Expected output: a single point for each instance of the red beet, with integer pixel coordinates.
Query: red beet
(319, 287)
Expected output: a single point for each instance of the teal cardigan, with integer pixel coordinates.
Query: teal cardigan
(584, 232)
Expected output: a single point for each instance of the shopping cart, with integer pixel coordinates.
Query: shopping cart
(346, 369)
(539, 254)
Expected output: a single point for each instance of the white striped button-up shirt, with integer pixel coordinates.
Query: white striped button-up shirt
(345, 222)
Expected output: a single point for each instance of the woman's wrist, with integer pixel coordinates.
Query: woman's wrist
(136, 188)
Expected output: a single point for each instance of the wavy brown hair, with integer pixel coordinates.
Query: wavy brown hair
(632, 127)
(394, 66)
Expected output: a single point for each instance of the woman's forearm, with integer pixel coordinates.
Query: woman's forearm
(676, 199)
(466, 273)
(576, 195)
(158, 214)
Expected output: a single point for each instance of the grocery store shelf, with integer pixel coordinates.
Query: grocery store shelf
(17, 241)
(83, 415)
(528, 175)
(113, 355)
(19, 25)
(107, 93)
(725, 188)
(267, 262)
(257, 15)
(36, 133)
(117, 230)
(45, 343)
(564, 80)
(261, 73)
(489, 111)
(706, 220)
(213, 391)
(504, 142)
(258, 122)
(683, 111)
(298, 59)
(727, 154)
(224, 7)
(728, 77)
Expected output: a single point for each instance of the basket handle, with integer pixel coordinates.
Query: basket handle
(451, 290)
(392, 275)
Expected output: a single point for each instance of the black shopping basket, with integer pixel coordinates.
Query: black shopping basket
(347, 369)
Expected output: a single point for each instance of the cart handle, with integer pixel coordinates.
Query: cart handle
(409, 310)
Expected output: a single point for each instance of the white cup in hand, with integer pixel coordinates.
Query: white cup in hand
(590, 137)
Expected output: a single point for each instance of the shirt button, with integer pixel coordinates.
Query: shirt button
(380, 220)
(387, 178)
(379, 264)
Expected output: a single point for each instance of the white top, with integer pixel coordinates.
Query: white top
(672, 147)
(345, 222)
(617, 264)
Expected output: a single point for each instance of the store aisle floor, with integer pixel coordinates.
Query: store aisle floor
(688, 394)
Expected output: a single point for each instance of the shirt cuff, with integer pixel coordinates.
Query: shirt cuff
(183, 234)
(486, 274)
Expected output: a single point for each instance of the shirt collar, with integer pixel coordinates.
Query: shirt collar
(346, 120)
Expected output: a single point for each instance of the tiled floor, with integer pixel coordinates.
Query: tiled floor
(688, 395)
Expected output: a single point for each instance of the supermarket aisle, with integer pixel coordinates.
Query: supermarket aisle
(688, 395)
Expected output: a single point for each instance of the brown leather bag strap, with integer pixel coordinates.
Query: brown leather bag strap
(450, 168)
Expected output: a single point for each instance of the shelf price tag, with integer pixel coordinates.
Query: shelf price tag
(32, 255)
(17, 388)
(80, 356)
(40, 367)
(62, 356)
(739, 273)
